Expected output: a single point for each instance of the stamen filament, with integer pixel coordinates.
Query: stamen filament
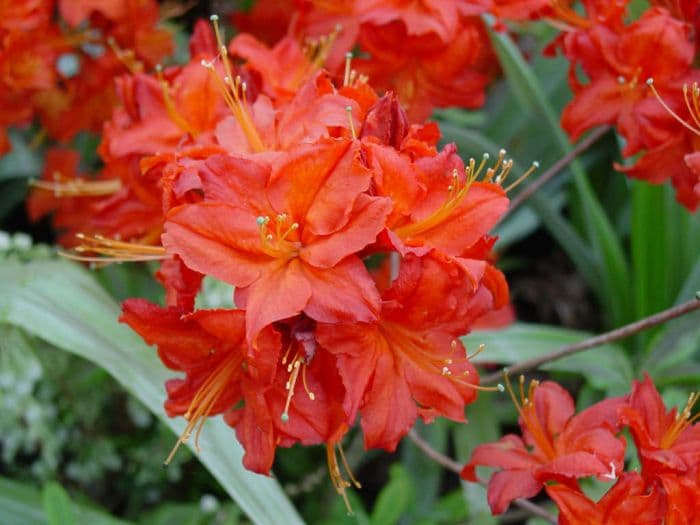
(114, 251)
(172, 111)
(348, 109)
(650, 83)
(348, 69)
(524, 176)
(204, 400)
(79, 187)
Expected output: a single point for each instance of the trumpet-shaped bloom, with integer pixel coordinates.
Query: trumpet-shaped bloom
(556, 445)
(287, 238)
(410, 362)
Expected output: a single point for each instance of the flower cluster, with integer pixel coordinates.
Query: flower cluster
(358, 250)
(652, 102)
(558, 447)
(61, 68)
(431, 54)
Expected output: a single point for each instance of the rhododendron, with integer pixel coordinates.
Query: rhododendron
(556, 445)
(294, 163)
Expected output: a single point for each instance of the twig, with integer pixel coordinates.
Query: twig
(608, 337)
(451, 465)
(559, 165)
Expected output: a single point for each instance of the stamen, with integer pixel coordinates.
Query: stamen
(650, 83)
(693, 108)
(480, 349)
(683, 420)
(528, 415)
(339, 482)
(317, 51)
(78, 187)
(113, 251)
(126, 57)
(172, 111)
(348, 69)
(233, 89)
(348, 109)
(204, 400)
(535, 165)
(293, 367)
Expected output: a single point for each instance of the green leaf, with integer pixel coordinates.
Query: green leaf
(605, 367)
(466, 438)
(59, 302)
(427, 475)
(609, 276)
(57, 505)
(21, 504)
(395, 498)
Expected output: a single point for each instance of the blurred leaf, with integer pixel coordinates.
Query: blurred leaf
(59, 302)
(395, 498)
(21, 504)
(191, 514)
(466, 438)
(22, 162)
(340, 515)
(605, 367)
(427, 475)
(57, 505)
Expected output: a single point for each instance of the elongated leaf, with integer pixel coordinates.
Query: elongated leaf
(60, 302)
(605, 367)
(395, 498)
(610, 278)
(57, 505)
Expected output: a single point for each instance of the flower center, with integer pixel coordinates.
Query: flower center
(458, 189)
(528, 415)
(683, 420)
(280, 241)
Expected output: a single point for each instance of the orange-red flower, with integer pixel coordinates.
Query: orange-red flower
(628, 501)
(410, 362)
(286, 237)
(556, 445)
(667, 441)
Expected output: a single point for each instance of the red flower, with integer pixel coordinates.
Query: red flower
(221, 370)
(424, 71)
(682, 494)
(628, 501)
(556, 445)
(286, 238)
(667, 442)
(618, 66)
(410, 362)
